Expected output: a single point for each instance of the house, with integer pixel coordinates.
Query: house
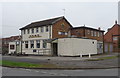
(113, 36)
(35, 35)
(5, 43)
(55, 37)
(91, 33)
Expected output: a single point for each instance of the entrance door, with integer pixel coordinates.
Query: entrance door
(55, 49)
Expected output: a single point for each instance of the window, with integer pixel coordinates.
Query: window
(62, 25)
(32, 30)
(38, 43)
(47, 29)
(92, 34)
(26, 44)
(101, 34)
(62, 33)
(24, 31)
(37, 30)
(115, 38)
(12, 46)
(32, 44)
(95, 33)
(28, 31)
(44, 44)
(98, 34)
(42, 29)
(88, 31)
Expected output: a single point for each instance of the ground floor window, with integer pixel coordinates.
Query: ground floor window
(38, 43)
(26, 44)
(32, 44)
(12, 46)
(44, 44)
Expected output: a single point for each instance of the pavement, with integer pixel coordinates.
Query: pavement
(40, 72)
(69, 62)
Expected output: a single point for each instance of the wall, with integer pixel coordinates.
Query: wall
(57, 27)
(76, 46)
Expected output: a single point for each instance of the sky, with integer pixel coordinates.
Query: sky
(92, 14)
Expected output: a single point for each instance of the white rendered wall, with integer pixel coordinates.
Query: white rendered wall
(76, 47)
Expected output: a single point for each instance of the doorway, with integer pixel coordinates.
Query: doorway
(55, 49)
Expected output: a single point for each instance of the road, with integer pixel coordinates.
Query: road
(63, 61)
(38, 72)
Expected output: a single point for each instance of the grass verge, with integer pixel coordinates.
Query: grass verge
(103, 58)
(25, 65)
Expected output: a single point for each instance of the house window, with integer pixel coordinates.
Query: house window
(47, 29)
(44, 44)
(92, 34)
(32, 30)
(115, 38)
(88, 31)
(62, 25)
(26, 44)
(38, 43)
(42, 29)
(28, 31)
(95, 33)
(12, 46)
(98, 34)
(32, 44)
(24, 31)
(101, 34)
(37, 30)
(62, 33)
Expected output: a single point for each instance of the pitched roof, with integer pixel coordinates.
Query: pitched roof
(44, 22)
(87, 28)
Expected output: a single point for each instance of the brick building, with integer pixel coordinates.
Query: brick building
(5, 42)
(35, 35)
(113, 36)
(91, 33)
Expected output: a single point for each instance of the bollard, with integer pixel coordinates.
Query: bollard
(81, 55)
(89, 55)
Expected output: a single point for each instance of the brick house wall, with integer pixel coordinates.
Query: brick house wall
(111, 34)
(60, 26)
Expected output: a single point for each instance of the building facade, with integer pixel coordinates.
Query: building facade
(5, 43)
(113, 36)
(35, 35)
(91, 33)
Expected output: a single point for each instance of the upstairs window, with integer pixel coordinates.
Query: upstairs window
(32, 30)
(28, 31)
(92, 33)
(42, 29)
(37, 30)
(88, 31)
(24, 31)
(62, 33)
(95, 33)
(98, 34)
(47, 29)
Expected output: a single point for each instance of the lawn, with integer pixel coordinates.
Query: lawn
(103, 58)
(24, 64)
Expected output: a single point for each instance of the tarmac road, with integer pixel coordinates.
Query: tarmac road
(38, 72)
(65, 61)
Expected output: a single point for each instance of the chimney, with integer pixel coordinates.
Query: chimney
(99, 28)
(116, 22)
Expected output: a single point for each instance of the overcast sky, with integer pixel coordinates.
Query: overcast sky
(93, 14)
